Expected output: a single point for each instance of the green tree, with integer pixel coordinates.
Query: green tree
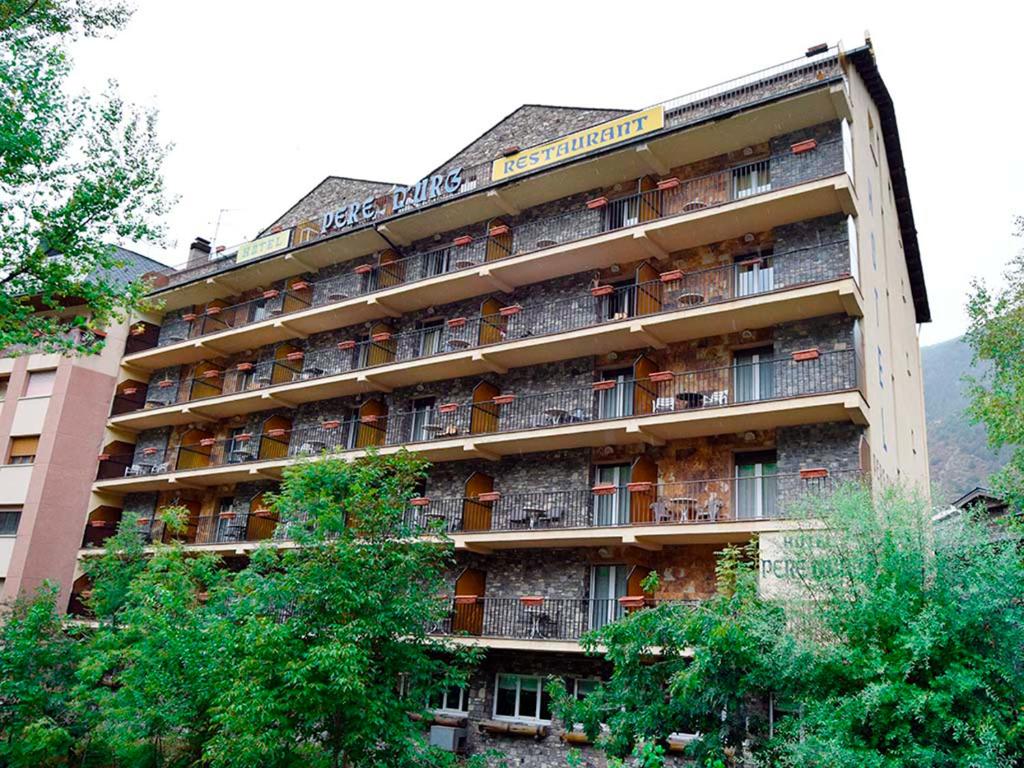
(996, 335)
(76, 174)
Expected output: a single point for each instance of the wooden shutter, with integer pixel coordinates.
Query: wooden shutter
(24, 446)
(382, 351)
(192, 455)
(284, 370)
(648, 290)
(372, 424)
(470, 617)
(476, 515)
(644, 390)
(650, 199)
(294, 300)
(203, 387)
(500, 246)
(275, 447)
(391, 268)
(484, 419)
(261, 522)
(644, 470)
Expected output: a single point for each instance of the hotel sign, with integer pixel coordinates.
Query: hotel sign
(580, 143)
(791, 561)
(262, 246)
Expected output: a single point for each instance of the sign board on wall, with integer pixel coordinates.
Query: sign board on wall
(262, 246)
(580, 143)
(788, 560)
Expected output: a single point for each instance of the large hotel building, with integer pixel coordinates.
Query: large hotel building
(622, 339)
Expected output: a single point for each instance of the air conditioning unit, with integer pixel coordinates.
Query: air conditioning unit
(448, 738)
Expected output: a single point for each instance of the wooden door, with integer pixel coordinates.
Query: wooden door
(644, 470)
(645, 390)
(476, 515)
(191, 453)
(188, 535)
(274, 445)
(391, 269)
(636, 577)
(203, 386)
(650, 199)
(469, 617)
(484, 419)
(294, 300)
(492, 325)
(498, 246)
(383, 349)
(284, 370)
(372, 424)
(648, 290)
(261, 522)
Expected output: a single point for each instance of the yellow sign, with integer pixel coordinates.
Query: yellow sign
(580, 143)
(263, 246)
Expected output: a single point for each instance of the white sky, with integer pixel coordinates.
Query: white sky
(262, 100)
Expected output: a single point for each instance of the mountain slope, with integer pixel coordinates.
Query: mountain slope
(959, 455)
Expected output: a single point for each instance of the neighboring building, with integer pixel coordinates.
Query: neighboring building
(620, 350)
(976, 500)
(52, 414)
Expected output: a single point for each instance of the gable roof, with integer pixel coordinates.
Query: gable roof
(133, 266)
(329, 194)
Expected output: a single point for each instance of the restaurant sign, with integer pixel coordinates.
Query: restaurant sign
(263, 245)
(580, 143)
(425, 190)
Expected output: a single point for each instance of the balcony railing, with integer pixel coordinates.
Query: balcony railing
(762, 275)
(662, 393)
(691, 195)
(534, 619)
(772, 82)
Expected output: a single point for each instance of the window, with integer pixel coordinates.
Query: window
(871, 198)
(624, 212)
(617, 401)
(430, 337)
(756, 485)
(754, 274)
(583, 687)
(751, 179)
(9, 519)
(753, 374)
(238, 450)
(607, 584)
(521, 697)
(224, 505)
(851, 234)
(423, 418)
(881, 370)
(612, 509)
(847, 149)
(40, 383)
(437, 262)
(454, 699)
(4, 382)
(23, 450)
(874, 252)
(617, 305)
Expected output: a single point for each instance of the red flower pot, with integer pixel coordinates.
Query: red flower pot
(513, 309)
(264, 513)
(419, 501)
(803, 146)
(369, 419)
(188, 317)
(488, 496)
(273, 293)
(149, 451)
(213, 311)
(381, 337)
(227, 515)
(213, 373)
(532, 600)
(658, 376)
(208, 442)
(605, 489)
(603, 386)
(813, 472)
(165, 383)
(448, 408)
(503, 399)
(462, 240)
(244, 366)
(601, 290)
(103, 457)
(364, 269)
(631, 602)
(638, 487)
(202, 597)
(129, 390)
(670, 183)
(597, 202)
(331, 424)
(456, 322)
(300, 285)
(466, 599)
(347, 344)
(243, 438)
(278, 432)
(100, 523)
(671, 276)
(294, 357)
(802, 355)
(499, 230)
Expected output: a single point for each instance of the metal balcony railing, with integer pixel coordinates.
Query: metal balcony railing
(664, 392)
(535, 618)
(788, 77)
(671, 292)
(595, 218)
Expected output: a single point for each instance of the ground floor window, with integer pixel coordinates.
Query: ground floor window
(454, 699)
(521, 697)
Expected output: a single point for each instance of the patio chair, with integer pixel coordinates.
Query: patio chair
(718, 397)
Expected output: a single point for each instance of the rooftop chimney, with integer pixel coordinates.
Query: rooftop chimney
(199, 251)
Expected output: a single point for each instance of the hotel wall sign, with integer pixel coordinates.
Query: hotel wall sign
(262, 246)
(580, 143)
(426, 189)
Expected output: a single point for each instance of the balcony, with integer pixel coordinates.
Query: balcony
(754, 103)
(805, 388)
(669, 308)
(752, 197)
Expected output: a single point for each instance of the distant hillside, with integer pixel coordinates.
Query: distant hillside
(959, 455)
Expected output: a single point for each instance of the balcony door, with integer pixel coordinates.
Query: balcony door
(648, 290)
(498, 246)
(382, 346)
(755, 274)
(493, 325)
(484, 419)
(753, 375)
(469, 616)
(644, 470)
(476, 514)
(756, 485)
(192, 454)
(372, 424)
(612, 508)
(616, 401)
(285, 370)
(424, 419)
(607, 584)
(274, 440)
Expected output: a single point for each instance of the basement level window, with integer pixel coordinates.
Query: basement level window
(454, 700)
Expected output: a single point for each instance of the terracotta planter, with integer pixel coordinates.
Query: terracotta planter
(85, 594)
(488, 496)
(601, 290)
(381, 337)
(813, 472)
(276, 432)
(466, 599)
(129, 390)
(208, 442)
(597, 202)
(229, 515)
(100, 523)
(294, 357)
(803, 146)
(211, 311)
(632, 602)
(262, 513)
(103, 457)
(462, 240)
(456, 322)
(188, 317)
(210, 374)
(149, 451)
(639, 487)
(669, 183)
(331, 424)
(300, 285)
(165, 383)
(419, 501)
(202, 597)
(243, 438)
(245, 366)
(671, 276)
(448, 408)
(364, 269)
(605, 489)
(142, 521)
(499, 230)
(503, 399)
(603, 386)
(802, 355)
(532, 600)
(347, 345)
(370, 419)
(513, 309)
(662, 376)
(271, 294)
